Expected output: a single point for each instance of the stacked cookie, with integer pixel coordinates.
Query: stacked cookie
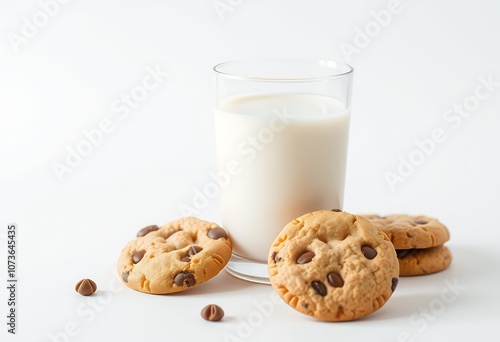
(418, 240)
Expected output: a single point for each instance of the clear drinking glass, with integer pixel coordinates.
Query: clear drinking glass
(282, 131)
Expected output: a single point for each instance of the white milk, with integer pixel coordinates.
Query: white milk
(291, 153)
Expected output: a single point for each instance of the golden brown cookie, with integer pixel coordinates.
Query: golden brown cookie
(413, 262)
(333, 266)
(408, 232)
(179, 255)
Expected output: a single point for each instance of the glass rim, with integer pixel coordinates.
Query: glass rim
(344, 70)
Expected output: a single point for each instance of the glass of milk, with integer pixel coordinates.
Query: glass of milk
(282, 129)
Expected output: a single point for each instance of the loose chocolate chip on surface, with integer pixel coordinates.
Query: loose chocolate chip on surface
(319, 287)
(86, 287)
(193, 250)
(186, 259)
(337, 210)
(305, 257)
(335, 279)
(212, 313)
(147, 230)
(184, 278)
(125, 276)
(394, 283)
(138, 256)
(420, 222)
(368, 252)
(217, 233)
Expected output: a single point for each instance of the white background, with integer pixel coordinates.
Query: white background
(66, 76)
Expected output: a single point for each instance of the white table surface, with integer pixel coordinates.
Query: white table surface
(70, 74)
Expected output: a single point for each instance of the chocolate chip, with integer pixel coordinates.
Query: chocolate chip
(212, 313)
(305, 258)
(147, 230)
(394, 284)
(420, 222)
(217, 233)
(335, 279)
(401, 253)
(138, 256)
(86, 287)
(275, 257)
(319, 287)
(337, 210)
(186, 259)
(368, 252)
(193, 250)
(184, 278)
(125, 276)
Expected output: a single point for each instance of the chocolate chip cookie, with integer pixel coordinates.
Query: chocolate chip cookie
(333, 266)
(418, 241)
(177, 256)
(413, 262)
(407, 231)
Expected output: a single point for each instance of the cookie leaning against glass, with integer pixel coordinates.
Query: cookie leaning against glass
(175, 257)
(333, 266)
